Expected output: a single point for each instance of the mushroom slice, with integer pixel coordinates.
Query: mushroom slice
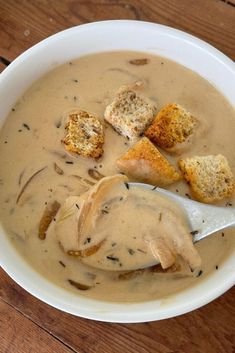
(95, 198)
(77, 218)
(47, 217)
(169, 244)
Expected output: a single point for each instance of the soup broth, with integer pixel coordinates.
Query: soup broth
(36, 169)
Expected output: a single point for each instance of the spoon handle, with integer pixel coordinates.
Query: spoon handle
(204, 219)
(211, 219)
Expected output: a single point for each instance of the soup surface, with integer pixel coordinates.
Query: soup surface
(35, 169)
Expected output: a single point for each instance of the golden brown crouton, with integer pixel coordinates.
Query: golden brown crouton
(129, 113)
(85, 134)
(145, 163)
(210, 177)
(172, 128)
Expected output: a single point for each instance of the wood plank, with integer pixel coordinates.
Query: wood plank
(210, 20)
(2, 67)
(210, 329)
(20, 335)
(24, 23)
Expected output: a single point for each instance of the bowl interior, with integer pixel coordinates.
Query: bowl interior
(112, 36)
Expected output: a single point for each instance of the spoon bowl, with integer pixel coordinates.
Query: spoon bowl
(203, 220)
(159, 238)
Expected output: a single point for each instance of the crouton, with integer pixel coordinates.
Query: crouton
(145, 163)
(85, 134)
(172, 129)
(210, 177)
(129, 113)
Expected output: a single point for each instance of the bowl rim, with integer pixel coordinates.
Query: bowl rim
(128, 312)
(167, 29)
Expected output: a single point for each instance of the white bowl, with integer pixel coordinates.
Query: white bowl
(108, 36)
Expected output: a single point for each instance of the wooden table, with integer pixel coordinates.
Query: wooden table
(27, 324)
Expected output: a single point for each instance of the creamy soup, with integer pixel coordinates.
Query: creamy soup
(36, 170)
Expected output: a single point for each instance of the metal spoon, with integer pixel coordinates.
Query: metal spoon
(203, 219)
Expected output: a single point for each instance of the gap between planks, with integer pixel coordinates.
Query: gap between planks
(229, 2)
(39, 326)
(4, 61)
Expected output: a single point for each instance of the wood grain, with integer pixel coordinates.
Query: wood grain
(27, 324)
(210, 329)
(26, 22)
(21, 335)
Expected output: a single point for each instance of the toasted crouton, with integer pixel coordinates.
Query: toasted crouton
(129, 113)
(172, 129)
(210, 177)
(85, 134)
(145, 163)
